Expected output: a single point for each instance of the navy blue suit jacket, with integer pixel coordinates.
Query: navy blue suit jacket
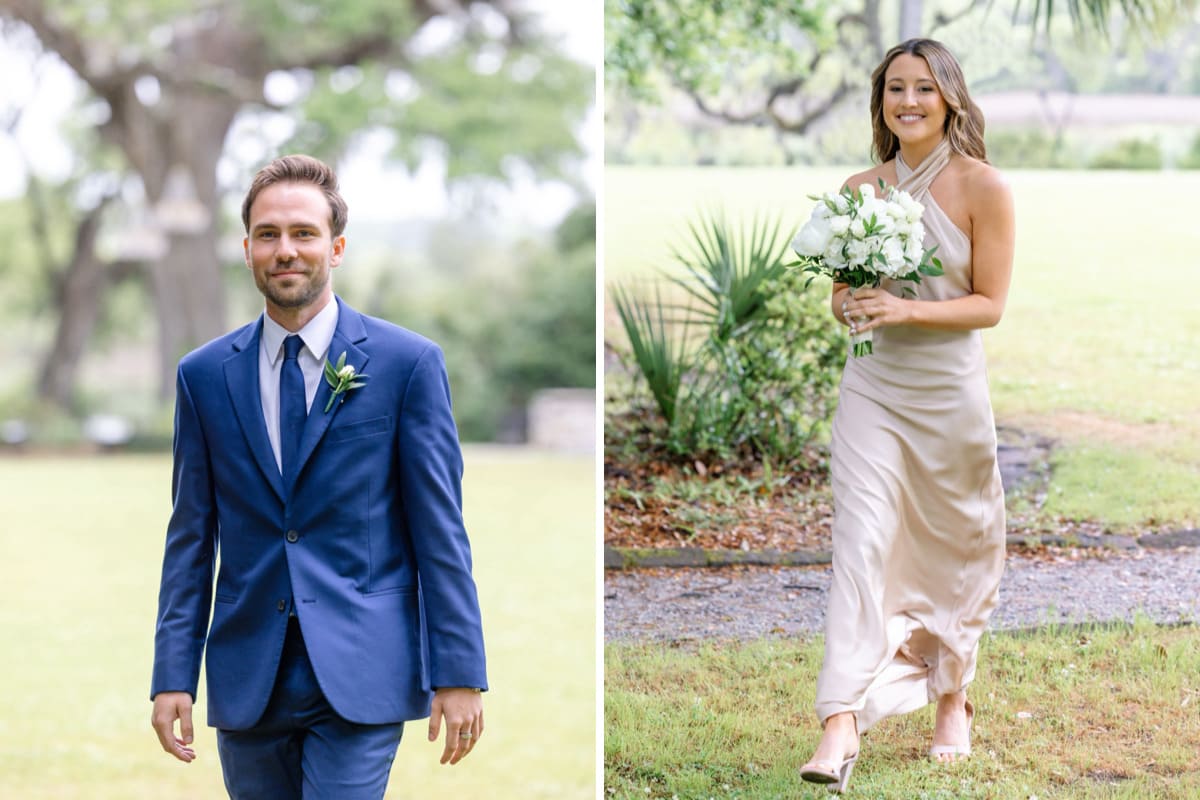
(369, 541)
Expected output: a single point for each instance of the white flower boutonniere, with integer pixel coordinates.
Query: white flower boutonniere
(341, 377)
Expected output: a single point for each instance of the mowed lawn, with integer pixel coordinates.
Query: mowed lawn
(81, 545)
(1099, 347)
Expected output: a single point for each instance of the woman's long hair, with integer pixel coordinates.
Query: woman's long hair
(964, 120)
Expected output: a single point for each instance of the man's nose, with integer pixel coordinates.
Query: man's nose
(286, 249)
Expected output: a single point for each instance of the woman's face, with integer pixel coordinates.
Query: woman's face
(913, 107)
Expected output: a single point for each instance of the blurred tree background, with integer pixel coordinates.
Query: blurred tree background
(1069, 84)
(129, 131)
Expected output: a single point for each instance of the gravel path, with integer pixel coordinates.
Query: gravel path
(753, 602)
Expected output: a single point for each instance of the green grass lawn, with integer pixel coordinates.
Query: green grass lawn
(1062, 713)
(1099, 347)
(82, 540)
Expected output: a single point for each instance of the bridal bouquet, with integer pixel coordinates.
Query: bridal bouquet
(859, 239)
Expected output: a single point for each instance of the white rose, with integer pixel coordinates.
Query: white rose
(893, 253)
(867, 191)
(857, 252)
(839, 224)
(912, 208)
(913, 251)
(814, 237)
(857, 229)
(917, 231)
(833, 254)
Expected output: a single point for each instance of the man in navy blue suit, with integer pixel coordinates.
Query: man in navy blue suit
(316, 455)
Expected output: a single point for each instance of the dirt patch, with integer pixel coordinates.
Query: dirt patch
(1088, 428)
(741, 506)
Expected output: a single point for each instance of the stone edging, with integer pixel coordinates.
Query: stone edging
(632, 557)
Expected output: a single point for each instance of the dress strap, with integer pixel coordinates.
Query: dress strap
(916, 182)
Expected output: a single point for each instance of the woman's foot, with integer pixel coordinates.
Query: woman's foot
(952, 728)
(835, 754)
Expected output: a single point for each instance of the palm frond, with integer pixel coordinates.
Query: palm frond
(659, 347)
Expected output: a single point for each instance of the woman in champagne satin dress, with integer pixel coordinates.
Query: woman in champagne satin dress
(918, 535)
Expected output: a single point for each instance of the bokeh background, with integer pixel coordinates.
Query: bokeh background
(467, 139)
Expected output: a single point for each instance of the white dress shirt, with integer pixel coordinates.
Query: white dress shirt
(317, 335)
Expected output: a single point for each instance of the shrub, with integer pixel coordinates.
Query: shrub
(758, 377)
(1130, 154)
(1030, 149)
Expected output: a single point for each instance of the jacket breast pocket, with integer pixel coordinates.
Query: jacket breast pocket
(359, 430)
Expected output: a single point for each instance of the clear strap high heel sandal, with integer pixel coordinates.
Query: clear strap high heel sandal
(958, 751)
(827, 772)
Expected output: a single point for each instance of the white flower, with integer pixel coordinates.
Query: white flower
(857, 229)
(857, 251)
(910, 206)
(913, 250)
(346, 372)
(867, 191)
(814, 237)
(833, 254)
(839, 224)
(893, 252)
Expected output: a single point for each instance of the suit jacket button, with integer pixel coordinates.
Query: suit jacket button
(292, 536)
(282, 605)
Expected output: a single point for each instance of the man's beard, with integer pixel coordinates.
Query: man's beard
(282, 298)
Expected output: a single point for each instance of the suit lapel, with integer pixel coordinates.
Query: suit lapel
(241, 379)
(350, 332)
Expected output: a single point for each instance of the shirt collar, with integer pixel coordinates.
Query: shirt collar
(317, 334)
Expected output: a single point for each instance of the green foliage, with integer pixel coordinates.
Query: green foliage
(1093, 15)
(1130, 154)
(509, 321)
(771, 389)
(701, 46)
(659, 348)
(758, 376)
(1191, 159)
(1030, 149)
(548, 333)
(729, 272)
(480, 117)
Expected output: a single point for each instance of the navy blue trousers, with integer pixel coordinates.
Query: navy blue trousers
(301, 749)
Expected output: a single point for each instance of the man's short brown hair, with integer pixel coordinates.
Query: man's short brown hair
(300, 168)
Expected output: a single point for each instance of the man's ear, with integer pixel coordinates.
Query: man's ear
(337, 251)
(246, 252)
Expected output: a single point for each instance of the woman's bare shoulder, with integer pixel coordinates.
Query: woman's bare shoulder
(885, 171)
(982, 179)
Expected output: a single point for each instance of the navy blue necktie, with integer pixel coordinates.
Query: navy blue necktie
(293, 409)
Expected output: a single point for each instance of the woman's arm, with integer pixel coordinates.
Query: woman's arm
(993, 233)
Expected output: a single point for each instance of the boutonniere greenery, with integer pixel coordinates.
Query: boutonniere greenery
(341, 377)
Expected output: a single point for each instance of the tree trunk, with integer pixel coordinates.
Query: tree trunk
(79, 297)
(187, 284)
(910, 19)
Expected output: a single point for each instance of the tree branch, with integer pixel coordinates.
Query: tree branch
(941, 19)
(66, 44)
(815, 113)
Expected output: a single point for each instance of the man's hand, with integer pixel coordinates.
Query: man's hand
(463, 712)
(168, 707)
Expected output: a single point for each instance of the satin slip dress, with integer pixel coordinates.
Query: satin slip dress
(919, 528)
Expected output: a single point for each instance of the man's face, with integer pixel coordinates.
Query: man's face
(290, 248)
